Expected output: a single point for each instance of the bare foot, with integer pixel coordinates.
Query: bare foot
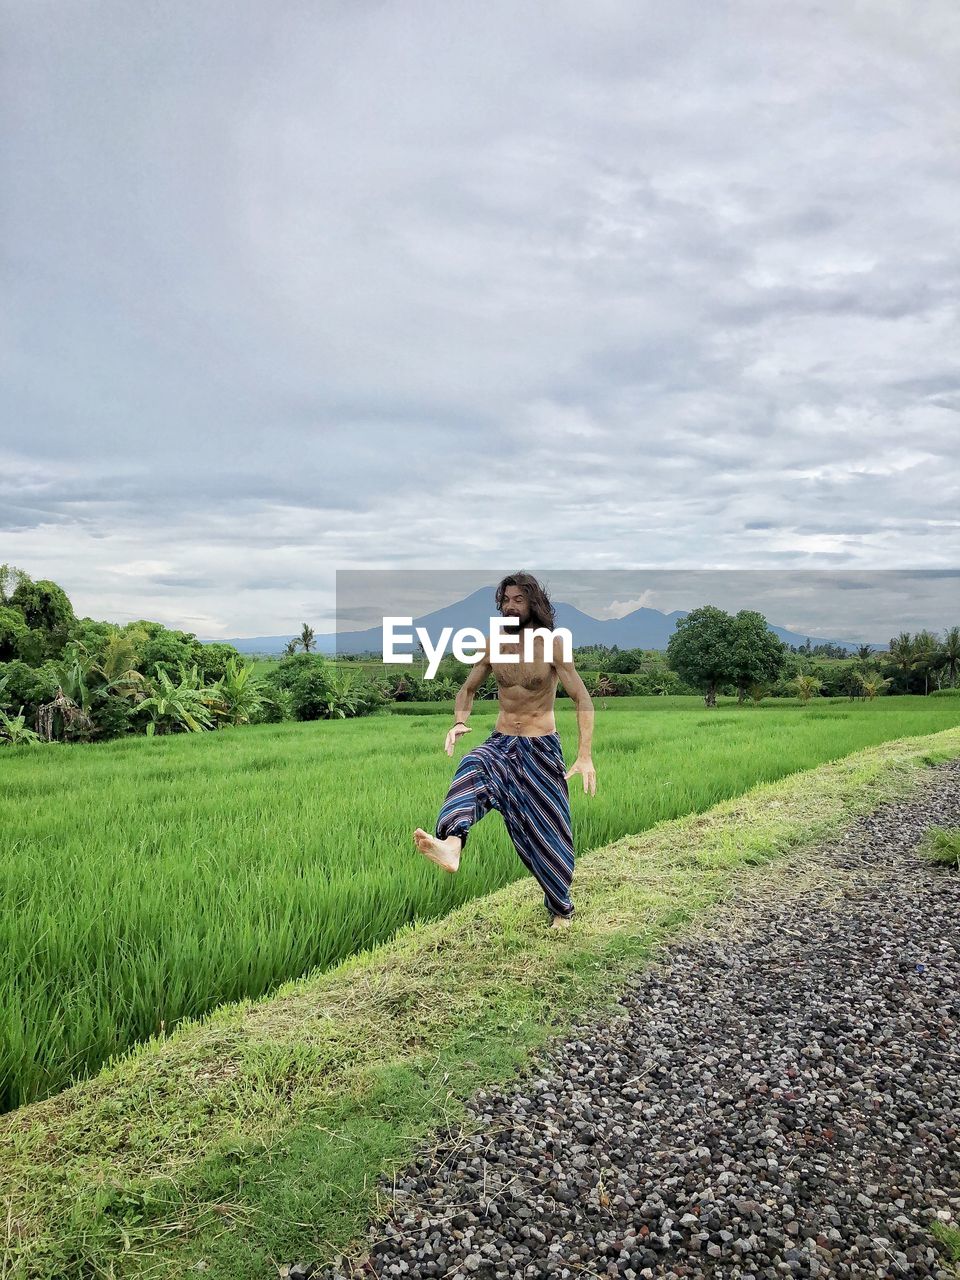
(561, 922)
(445, 853)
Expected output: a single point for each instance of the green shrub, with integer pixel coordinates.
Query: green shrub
(315, 689)
(27, 686)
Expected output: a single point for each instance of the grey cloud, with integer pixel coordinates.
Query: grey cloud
(268, 584)
(372, 285)
(848, 584)
(192, 582)
(935, 384)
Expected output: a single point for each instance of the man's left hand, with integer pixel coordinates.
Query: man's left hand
(586, 770)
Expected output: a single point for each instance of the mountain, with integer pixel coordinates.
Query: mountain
(641, 629)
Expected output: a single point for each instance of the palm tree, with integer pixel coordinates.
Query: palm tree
(926, 649)
(951, 653)
(291, 647)
(81, 675)
(863, 652)
(806, 686)
(118, 662)
(306, 638)
(873, 685)
(902, 654)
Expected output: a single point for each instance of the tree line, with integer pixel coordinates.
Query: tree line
(77, 679)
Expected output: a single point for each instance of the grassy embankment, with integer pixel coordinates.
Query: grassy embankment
(256, 1134)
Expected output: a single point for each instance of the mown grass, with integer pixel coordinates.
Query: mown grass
(255, 1136)
(149, 880)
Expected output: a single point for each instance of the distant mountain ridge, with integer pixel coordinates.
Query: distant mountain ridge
(642, 629)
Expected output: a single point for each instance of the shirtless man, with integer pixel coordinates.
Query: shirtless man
(519, 770)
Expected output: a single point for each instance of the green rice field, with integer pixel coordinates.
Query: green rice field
(147, 880)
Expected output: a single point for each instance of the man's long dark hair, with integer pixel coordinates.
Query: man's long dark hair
(541, 610)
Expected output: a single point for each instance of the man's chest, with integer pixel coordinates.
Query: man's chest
(535, 675)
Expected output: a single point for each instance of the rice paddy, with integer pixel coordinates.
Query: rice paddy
(148, 880)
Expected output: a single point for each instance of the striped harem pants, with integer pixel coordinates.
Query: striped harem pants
(522, 778)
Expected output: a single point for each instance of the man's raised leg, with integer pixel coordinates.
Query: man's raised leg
(445, 853)
(466, 802)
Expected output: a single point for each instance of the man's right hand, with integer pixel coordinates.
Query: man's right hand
(456, 732)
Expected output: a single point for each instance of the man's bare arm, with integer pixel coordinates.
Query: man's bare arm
(577, 690)
(464, 703)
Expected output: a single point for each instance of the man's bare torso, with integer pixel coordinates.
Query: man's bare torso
(526, 691)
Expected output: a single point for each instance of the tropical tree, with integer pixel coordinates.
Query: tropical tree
(951, 653)
(758, 653)
(239, 695)
(10, 578)
(85, 679)
(873, 684)
(344, 695)
(305, 677)
(306, 638)
(212, 659)
(185, 705)
(46, 610)
(119, 663)
(627, 661)
(14, 632)
(291, 647)
(77, 673)
(73, 720)
(926, 649)
(902, 654)
(438, 689)
(806, 687)
(702, 650)
(15, 732)
(167, 648)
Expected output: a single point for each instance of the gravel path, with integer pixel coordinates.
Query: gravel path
(779, 1096)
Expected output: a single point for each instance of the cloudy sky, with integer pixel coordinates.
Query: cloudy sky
(304, 286)
(862, 606)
